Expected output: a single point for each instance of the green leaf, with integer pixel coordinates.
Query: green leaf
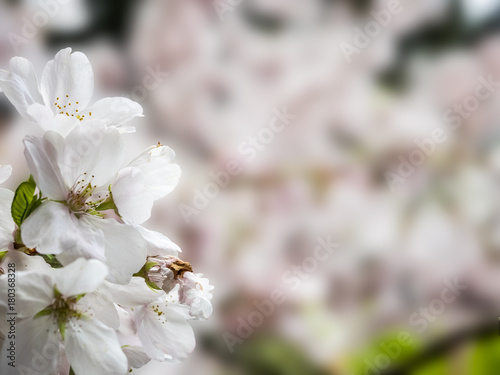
(25, 201)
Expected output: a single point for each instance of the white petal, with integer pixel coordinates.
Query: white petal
(44, 116)
(25, 262)
(68, 77)
(5, 172)
(53, 229)
(195, 292)
(127, 332)
(168, 336)
(115, 111)
(131, 196)
(41, 156)
(162, 176)
(135, 293)
(157, 243)
(125, 249)
(93, 348)
(136, 356)
(20, 85)
(81, 276)
(101, 308)
(7, 225)
(37, 348)
(34, 292)
(93, 150)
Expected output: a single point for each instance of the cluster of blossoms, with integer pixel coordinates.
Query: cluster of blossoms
(91, 291)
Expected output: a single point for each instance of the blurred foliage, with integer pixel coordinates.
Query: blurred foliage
(272, 356)
(460, 355)
(358, 363)
(437, 367)
(485, 357)
(263, 355)
(480, 358)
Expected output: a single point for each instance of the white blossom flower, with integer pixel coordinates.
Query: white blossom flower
(76, 184)
(88, 309)
(51, 312)
(164, 330)
(61, 99)
(156, 318)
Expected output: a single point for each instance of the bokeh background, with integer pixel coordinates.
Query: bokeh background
(322, 176)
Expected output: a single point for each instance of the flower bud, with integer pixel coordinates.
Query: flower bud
(165, 271)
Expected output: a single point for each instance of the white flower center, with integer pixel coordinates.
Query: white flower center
(63, 310)
(81, 199)
(70, 108)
